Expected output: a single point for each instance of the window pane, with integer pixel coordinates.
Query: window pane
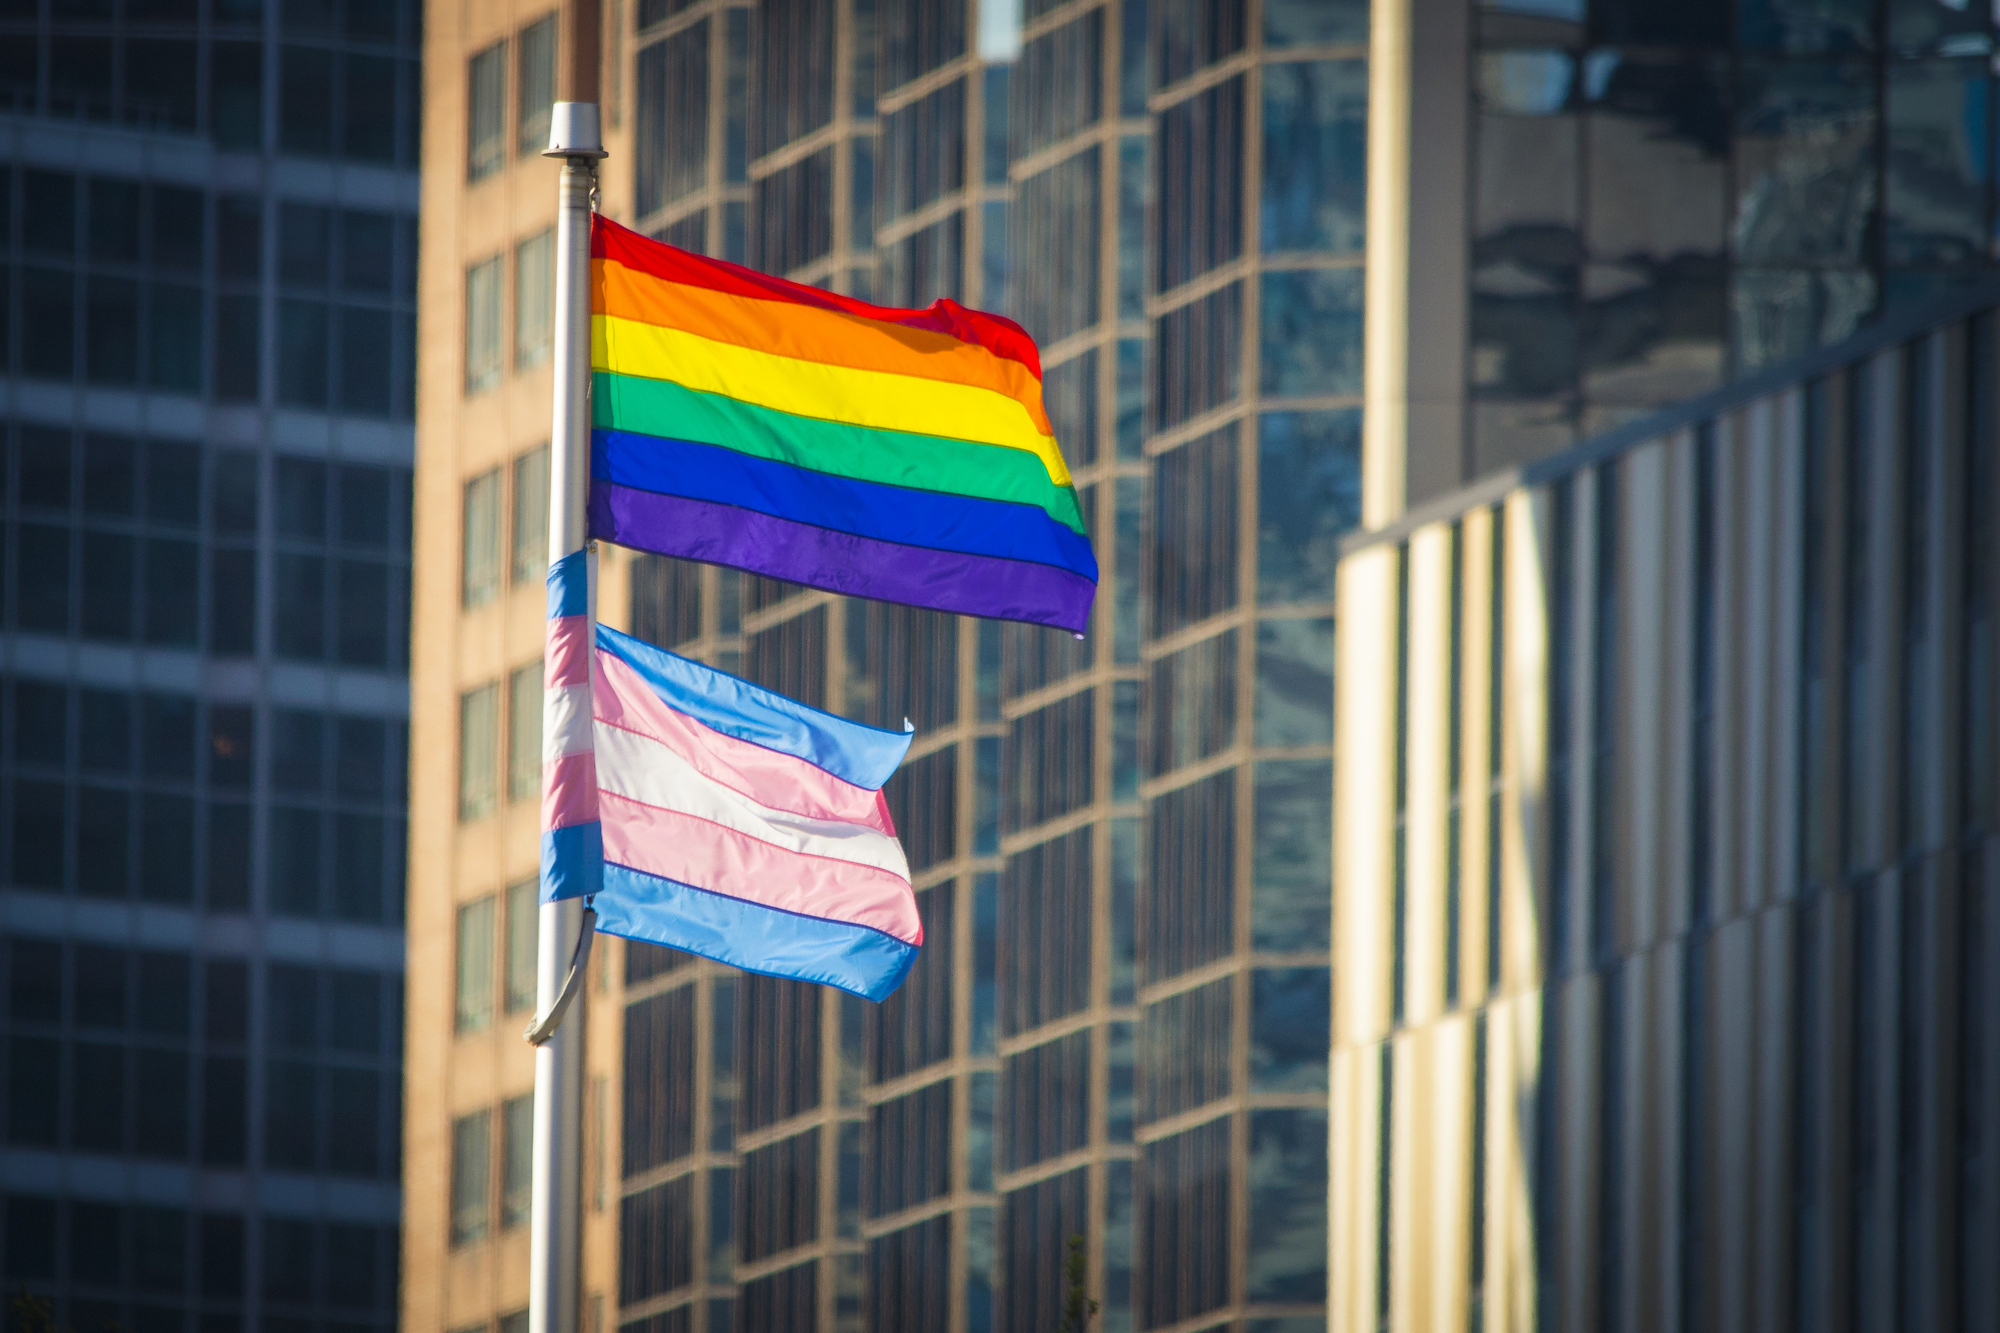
(524, 911)
(475, 965)
(1315, 154)
(534, 299)
(1287, 1170)
(1189, 905)
(531, 515)
(1294, 682)
(524, 733)
(1290, 1017)
(1185, 1045)
(1194, 564)
(671, 152)
(470, 1167)
(1291, 894)
(1199, 183)
(1193, 703)
(1939, 150)
(486, 114)
(480, 577)
(1308, 498)
(517, 1160)
(482, 326)
(1309, 339)
(1183, 1189)
(1058, 84)
(1805, 163)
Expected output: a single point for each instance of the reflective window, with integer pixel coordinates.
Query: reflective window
(486, 112)
(1291, 892)
(479, 566)
(1805, 163)
(1188, 906)
(1044, 932)
(1294, 698)
(794, 210)
(478, 745)
(1291, 1014)
(1194, 555)
(1199, 185)
(517, 1160)
(1200, 357)
(1192, 707)
(1057, 87)
(794, 75)
(912, 1028)
(482, 326)
(780, 1037)
(909, 1272)
(917, 37)
(471, 1167)
(1183, 1188)
(1310, 22)
(1315, 153)
(1184, 1052)
(1192, 34)
(519, 959)
(923, 152)
(1036, 1223)
(1056, 240)
(1048, 761)
(902, 665)
(535, 50)
(656, 1241)
(1939, 162)
(1310, 335)
(1808, 27)
(475, 966)
(1287, 1170)
(524, 733)
(790, 658)
(1045, 1101)
(534, 300)
(1308, 498)
(666, 598)
(778, 1194)
(922, 797)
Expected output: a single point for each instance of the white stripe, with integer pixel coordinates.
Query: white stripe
(641, 769)
(565, 722)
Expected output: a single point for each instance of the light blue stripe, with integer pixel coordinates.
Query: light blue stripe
(755, 938)
(572, 861)
(569, 586)
(862, 755)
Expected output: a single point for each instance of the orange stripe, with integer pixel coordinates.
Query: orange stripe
(809, 334)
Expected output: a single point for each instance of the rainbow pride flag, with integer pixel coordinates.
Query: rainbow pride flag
(699, 811)
(902, 455)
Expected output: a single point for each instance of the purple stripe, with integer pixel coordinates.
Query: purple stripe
(779, 548)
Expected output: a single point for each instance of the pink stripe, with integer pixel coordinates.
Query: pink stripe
(566, 660)
(569, 791)
(781, 781)
(693, 851)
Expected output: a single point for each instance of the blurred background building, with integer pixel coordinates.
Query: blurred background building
(1120, 1025)
(208, 222)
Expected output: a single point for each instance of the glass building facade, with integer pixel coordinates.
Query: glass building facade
(1124, 845)
(207, 292)
(1666, 197)
(1117, 1028)
(1664, 980)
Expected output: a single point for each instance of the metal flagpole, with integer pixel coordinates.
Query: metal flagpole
(556, 1223)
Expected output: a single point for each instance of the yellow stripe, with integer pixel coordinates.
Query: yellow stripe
(880, 400)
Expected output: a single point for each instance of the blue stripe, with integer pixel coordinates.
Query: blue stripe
(569, 586)
(755, 938)
(969, 525)
(862, 755)
(572, 861)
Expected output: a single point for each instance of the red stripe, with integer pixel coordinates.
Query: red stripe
(997, 334)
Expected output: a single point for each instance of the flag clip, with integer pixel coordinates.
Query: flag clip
(545, 1026)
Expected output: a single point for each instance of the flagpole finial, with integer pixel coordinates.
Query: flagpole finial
(574, 131)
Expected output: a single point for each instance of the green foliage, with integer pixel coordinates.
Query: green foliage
(1078, 1308)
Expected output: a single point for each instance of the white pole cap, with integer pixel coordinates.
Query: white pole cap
(574, 131)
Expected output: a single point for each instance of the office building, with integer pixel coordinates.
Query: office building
(1663, 990)
(207, 214)
(1203, 211)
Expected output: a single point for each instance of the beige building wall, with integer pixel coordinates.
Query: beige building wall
(454, 650)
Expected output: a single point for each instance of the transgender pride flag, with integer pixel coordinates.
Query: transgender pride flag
(707, 814)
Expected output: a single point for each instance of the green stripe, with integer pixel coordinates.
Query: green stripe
(893, 457)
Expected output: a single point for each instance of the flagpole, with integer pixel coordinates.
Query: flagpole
(556, 1219)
